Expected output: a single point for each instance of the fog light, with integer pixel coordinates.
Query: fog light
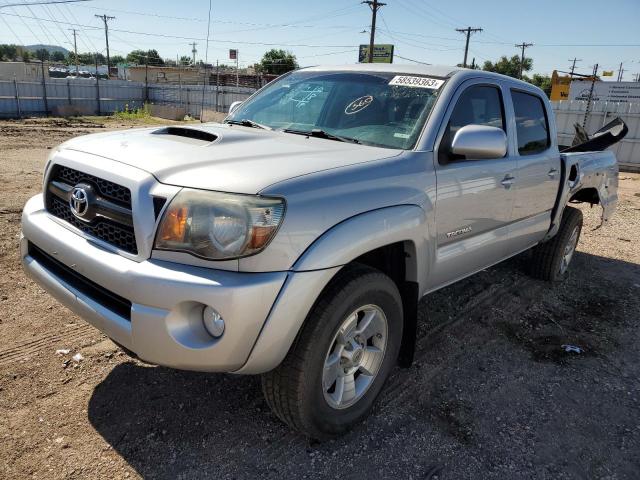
(213, 322)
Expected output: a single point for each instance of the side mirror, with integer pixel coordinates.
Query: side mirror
(479, 142)
(234, 106)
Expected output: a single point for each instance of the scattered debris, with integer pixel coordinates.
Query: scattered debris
(572, 349)
(77, 357)
(62, 351)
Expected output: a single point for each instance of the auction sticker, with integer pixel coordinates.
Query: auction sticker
(418, 82)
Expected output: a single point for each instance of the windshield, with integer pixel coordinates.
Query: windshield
(381, 109)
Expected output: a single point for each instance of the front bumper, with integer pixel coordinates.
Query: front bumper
(165, 322)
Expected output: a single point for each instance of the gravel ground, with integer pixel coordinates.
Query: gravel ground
(491, 395)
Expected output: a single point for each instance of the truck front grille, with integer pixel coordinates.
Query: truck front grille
(110, 190)
(112, 221)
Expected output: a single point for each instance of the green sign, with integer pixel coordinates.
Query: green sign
(382, 53)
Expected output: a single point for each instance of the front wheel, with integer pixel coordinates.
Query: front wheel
(345, 351)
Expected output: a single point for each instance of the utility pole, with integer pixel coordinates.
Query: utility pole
(105, 19)
(573, 65)
(620, 72)
(522, 45)
(467, 31)
(374, 5)
(587, 111)
(637, 77)
(193, 52)
(75, 49)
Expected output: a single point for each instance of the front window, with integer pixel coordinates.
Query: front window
(380, 109)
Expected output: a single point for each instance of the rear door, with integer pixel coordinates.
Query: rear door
(538, 168)
(474, 197)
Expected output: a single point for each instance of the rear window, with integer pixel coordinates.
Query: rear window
(532, 126)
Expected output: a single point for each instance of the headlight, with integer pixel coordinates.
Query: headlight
(218, 226)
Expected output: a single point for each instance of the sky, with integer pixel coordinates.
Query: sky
(329, 32)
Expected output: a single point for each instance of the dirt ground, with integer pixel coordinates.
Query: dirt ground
(492, 393)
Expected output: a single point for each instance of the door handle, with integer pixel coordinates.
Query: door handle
(552, 172)
(507, 181)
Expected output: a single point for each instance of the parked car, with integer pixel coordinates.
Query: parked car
(295, 240)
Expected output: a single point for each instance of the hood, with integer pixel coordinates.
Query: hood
(223, 157)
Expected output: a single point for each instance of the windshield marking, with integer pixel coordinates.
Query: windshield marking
(309, 95)
(358, 104)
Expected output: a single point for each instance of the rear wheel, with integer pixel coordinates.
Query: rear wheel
(551, 259)
(345, 351)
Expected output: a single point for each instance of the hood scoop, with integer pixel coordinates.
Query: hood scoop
(186, 132)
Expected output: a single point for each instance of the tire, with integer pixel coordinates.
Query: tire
(296, 390)
(551, 259)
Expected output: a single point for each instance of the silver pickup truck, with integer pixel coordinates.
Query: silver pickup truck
(295, 239)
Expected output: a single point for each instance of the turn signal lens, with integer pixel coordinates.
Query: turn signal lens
(174, 225)
(219, 226)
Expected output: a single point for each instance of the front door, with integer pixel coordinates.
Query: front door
(474, 197)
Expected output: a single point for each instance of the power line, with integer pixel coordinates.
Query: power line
(468, 31)
(41, 25)
(11, 30)
(28, 28)
(90, 49)
(50, 2)
(46, 9)
(161, 35)
(410, 59)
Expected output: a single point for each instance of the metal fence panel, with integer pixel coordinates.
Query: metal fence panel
(115, 95)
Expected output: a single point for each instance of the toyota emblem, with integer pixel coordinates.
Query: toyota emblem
(79, 201)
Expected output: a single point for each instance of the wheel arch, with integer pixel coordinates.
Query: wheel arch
(391, 239)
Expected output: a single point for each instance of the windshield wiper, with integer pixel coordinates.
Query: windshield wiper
(318, 133)
(245, 122)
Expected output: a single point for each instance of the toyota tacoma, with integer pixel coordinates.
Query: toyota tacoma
(295, 239)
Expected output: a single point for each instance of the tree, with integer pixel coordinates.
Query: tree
(277, 62)
(185, 60)
(57, 56)
(508, 66)
(42, 54)
(541, 81)
(117, 59)
(8, 52)
(142, 57)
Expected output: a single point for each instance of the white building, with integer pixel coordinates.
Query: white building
(22, 71)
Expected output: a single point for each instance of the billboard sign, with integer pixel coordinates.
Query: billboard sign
(382, 53)
(233, 54)
(625, 92)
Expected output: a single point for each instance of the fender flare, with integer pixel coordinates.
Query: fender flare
(367, 231)
(315, 268)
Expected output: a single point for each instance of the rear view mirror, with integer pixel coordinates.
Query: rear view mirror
(479, 142)
(234, 106)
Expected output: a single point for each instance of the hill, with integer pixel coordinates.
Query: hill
(50, 48)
